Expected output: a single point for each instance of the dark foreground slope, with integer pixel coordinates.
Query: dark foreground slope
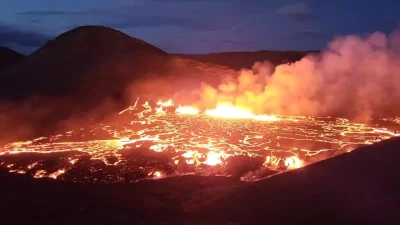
(361, 187)
(239, 60)
(356, 188)
(9, 57)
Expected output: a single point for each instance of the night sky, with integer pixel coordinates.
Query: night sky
(200, 26)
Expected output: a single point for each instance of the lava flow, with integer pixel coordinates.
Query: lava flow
(155, 140)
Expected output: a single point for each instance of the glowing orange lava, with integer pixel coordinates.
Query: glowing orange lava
(189, 110)
(56, 174)
(167, 103)
(204, 142)
(226, 110)
(164, 104)
(293, 162)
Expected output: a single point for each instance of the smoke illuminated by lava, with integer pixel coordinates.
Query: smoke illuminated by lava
(354, 77)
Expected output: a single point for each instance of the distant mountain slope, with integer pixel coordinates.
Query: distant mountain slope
(239, 60)
(9, 57)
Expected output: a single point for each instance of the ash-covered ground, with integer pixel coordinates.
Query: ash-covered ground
(145, 143)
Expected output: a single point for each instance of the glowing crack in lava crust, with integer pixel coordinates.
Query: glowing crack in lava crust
(154, 140)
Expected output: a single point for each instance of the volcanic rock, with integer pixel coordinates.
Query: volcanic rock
(9, 57)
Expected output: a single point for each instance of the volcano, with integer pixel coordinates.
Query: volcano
(137, 147)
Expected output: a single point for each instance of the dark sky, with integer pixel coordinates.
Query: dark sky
(199, 26)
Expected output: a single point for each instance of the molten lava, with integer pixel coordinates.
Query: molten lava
(160, 140)
(226, 110)
(189, 110)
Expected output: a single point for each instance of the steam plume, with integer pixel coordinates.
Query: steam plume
(354, 77)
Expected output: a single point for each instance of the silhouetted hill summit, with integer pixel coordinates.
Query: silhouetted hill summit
(105, 39)
(83, 61)
(9, 57)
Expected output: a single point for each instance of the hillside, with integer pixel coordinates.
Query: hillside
(356, 188)
(361, 187)
(9, 57)
(239, 60)
(81, 61)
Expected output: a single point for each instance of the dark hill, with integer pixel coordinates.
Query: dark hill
(9, 57)
(361, 187)
(89, 62)
(83, 70)
(239, 60)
